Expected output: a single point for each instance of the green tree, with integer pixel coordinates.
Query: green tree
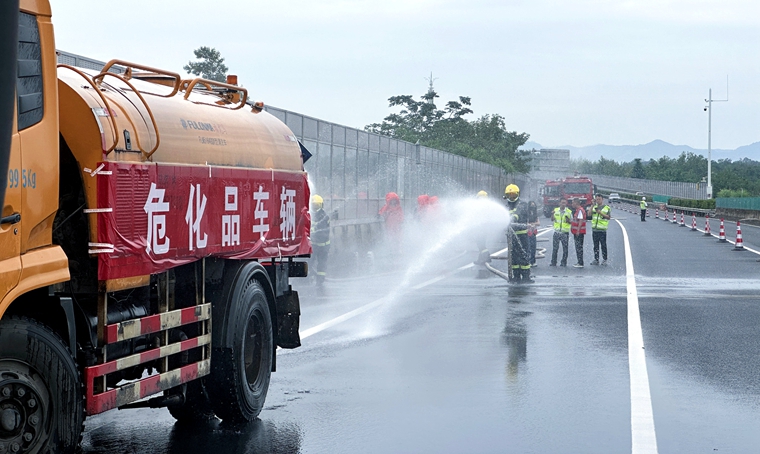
(638, 169)
(734, 179)
(486, 139)
(210, 65)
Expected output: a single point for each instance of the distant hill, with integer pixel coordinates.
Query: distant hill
(652, 150)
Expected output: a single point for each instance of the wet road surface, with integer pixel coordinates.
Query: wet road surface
(439, 360)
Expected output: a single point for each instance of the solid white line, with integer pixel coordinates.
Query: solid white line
(360, 310)
(643, 437)
(732, 242)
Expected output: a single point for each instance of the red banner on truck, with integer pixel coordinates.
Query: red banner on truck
(153, 217)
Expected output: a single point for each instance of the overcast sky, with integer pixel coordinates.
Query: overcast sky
(576, 72)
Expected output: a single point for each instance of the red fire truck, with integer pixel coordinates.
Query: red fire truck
(567, 188)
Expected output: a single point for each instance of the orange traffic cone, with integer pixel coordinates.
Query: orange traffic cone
(681, 224)
(739, 246)
(722, 233)
(675, 217)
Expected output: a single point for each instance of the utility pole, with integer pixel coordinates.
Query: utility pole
(709, 102)
(430, 88)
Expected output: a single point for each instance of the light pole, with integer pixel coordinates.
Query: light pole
(709, 102)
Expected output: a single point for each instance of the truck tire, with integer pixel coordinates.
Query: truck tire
(196, 408)
(241, 364)
(41, 403)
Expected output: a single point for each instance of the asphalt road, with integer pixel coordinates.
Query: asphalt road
(435, 359)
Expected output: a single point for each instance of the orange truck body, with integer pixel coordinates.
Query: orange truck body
(134, 181)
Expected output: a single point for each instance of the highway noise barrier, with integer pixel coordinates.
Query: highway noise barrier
(693, 222)
(739, 246)
(722, 233)
(681, 224)
(707, 225)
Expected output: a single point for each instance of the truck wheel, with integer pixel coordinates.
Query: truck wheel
(41, 403)
(196, 407)
(242, 364)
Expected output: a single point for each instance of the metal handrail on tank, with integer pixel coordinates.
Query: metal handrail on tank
(185, 82)
(102, 98)
(211, 83)
(128, 71)
(147, 154)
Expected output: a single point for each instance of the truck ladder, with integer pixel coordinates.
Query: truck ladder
(99, 397)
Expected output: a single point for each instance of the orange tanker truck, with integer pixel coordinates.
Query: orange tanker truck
(149, 231)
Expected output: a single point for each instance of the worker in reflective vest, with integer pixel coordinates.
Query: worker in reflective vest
(518, 228)
(643, 206)
(600, 219)
(320, 238)
(578, 229)
(562, 217)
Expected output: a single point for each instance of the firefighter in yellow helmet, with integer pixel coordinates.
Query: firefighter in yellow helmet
(320, 237)
(518, 233)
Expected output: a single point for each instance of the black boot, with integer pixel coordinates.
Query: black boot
(526, 276)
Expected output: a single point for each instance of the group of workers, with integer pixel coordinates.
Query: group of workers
(567, 221)
(523, 228)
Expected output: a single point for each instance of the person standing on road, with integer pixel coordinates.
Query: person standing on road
(600, 219)
(643, 206)
(533, 224)
(518, 228)
(320, 238)
(578, 229)
(562, 217)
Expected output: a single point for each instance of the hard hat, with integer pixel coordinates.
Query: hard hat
(317, 201)
(512, 189)
(643, 198)
(482, 194)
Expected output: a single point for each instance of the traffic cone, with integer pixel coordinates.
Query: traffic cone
(647, 214)
(739, 246)
(675, 217)
(666, 215)
(707, 225)
(657, 213)
(693, 222)
(721, 233)
(681, 224)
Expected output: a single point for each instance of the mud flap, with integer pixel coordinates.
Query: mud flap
(288, 315)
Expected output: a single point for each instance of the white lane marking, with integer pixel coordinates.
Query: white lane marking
(732, 242)
(360, 310)
(643, 437)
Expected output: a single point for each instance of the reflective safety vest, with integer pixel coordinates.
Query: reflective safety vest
(578, 227)
(562, 220)
(599, 222)
(643, 204)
